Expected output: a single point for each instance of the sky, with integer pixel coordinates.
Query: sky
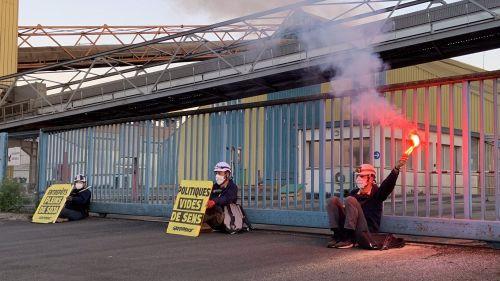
(164, 12)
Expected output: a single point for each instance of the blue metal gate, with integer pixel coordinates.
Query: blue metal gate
(290, 155)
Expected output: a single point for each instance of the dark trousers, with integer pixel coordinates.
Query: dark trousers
(71, 215)
(350, 216)
(214, 217)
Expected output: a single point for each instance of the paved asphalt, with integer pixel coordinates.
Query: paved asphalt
(115, 249)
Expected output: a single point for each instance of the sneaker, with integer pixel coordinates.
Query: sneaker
(345, 244)
(332, 243)
(205, 228)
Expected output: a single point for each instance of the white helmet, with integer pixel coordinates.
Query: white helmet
(80, 177)
(222, 167)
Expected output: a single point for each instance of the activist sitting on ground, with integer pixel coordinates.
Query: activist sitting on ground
(353, 222)
(77, 203)
(224, 192)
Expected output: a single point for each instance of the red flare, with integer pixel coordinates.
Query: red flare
(416, 142)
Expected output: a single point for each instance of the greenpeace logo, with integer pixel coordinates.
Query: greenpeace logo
(182, 228)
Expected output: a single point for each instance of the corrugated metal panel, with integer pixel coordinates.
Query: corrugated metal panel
(298, 92)
(8, 36)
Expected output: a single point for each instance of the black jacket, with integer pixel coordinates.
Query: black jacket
(224, 196)
(80, 200)
(372, 204)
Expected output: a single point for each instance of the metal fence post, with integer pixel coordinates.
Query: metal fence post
(42, 163)
(4, 154)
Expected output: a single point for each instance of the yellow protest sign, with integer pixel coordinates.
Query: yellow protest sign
(52, 203)
(189, 208)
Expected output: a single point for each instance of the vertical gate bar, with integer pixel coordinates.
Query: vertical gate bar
(197, 147)
(78, 163)
(404, 106)
(148, 172)
(321, 155)
(341, 150)
(62, 150)
(150, 161)
(280, 154)
(351, 146)
(482, 183)
(415, 156)
(50, 156)
(185, 125)
(203, 143)
(191, 146)
(113, 135)
(265, 155)
(170, 155)
(82, 150)
(75, 154)
(119, 158)
(234, 145)
(312, 147)
(125, 190)
(332, 146)
(288, 154)
(42, 163)
(256, 156)
(176, 162)
(361, 139)
(173, 164)
(241, 149)
(72, 150)
(272, 168)
(144, 156)
(304, 130)
(466, 144)
(439, 151)
(98, 163)
(158, 173)
(154, 166)
(90, 157)
(496, 148)
(163, 172)
(452, 148)
(122, 158)
(57, 151)
(69, 147)
(296, 153)
(103, 165)
(131, 143)
(135, 162)
(160, 127)
(427, 155)
(392, 154)
(136, 195)
(140, 166)
(107, 162)
(372, 143)
(240, 155)
(230, 141)
(111, 163)
(168, 158)
(250, 144)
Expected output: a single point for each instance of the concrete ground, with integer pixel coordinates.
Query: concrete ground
(117, 249)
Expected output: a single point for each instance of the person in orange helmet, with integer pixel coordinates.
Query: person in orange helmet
(353, 221)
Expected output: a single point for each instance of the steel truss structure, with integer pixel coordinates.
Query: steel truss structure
(253, 33)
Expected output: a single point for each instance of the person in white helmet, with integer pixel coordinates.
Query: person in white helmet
(77, 203)
(353, 221)
(224, 192)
